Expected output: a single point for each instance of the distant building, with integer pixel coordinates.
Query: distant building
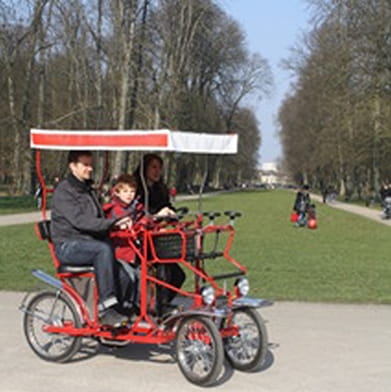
(270, 173)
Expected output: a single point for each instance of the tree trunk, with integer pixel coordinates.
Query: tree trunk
(139, 66)
(15, 171)
(127, 27)
(376, 140)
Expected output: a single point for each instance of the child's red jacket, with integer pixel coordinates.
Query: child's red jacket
(118, 209)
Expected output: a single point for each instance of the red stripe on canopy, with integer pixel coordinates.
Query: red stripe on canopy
(112, 140)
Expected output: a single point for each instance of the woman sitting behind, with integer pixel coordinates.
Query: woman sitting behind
(158, 193)
(159, 203)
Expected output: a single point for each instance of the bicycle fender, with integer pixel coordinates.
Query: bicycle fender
(48, 279)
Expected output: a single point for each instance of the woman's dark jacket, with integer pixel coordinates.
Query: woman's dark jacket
(158, 196)
(77, 213)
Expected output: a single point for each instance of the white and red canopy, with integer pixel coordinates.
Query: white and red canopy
(134, 140)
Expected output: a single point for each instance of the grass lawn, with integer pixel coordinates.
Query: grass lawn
(345, 260)
(20, 252)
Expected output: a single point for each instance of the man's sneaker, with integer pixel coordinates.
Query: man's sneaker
(113, 318)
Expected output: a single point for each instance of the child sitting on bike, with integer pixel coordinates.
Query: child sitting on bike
(123, 203)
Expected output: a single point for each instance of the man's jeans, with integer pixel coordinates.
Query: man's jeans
(98, 254)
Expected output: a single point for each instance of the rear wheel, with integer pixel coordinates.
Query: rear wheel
(199, 350)
(247, 350)
(56, 309)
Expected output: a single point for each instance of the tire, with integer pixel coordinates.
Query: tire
(51, 308)
(199, 350)
(247, 351)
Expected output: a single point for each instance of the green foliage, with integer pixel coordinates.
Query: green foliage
(15, 204)
(335, 122)
(346, 259)
(166, 64)
(19, 204)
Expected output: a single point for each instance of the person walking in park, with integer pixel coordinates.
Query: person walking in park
(173, 193)
(38, 196)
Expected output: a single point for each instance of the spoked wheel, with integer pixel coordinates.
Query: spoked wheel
(199, 350)
(50, 308)
(247, 351)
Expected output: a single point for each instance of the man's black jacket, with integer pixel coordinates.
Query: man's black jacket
(77, 213)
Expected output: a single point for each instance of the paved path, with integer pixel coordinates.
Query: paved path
(369, 213)
(16, 219)
(313, 348)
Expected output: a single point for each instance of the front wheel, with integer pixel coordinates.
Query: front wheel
(199, 350)
(51, 308)
(247, 350)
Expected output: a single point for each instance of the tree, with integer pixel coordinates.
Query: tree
(339, 98)
(126, 64)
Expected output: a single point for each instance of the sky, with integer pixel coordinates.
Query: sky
(271, 27)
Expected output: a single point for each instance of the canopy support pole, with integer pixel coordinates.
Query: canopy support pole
(202, 186)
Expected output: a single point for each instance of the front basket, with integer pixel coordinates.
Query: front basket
(169, 246)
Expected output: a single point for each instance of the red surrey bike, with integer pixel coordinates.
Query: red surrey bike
(212, 321)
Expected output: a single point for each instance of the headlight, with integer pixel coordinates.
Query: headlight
(208, 295)
(243, 286)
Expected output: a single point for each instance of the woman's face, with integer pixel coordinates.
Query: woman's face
(154, 171)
